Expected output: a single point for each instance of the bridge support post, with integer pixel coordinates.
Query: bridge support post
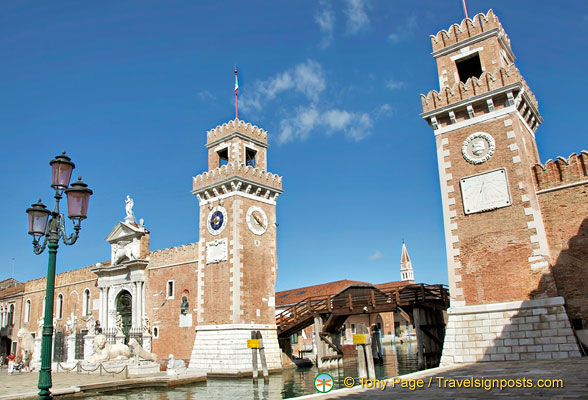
(318, 341)
(419, 336)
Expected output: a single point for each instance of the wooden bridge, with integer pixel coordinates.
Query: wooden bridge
(421, 304)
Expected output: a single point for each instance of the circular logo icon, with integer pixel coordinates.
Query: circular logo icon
(323, 383)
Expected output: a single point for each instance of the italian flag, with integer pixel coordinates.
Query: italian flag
(236, 82)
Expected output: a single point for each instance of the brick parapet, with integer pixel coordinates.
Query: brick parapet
(467, 29)
(233, 170)
(239, 127)
(561, 171)
(187, 252)
(473, 87)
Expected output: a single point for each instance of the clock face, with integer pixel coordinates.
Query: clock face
(217, 220)
(486, 191)
(256, 220)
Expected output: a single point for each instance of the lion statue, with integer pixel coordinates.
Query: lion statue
(138, 350)
(104, 351)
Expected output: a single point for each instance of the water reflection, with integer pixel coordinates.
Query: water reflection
(398, 360)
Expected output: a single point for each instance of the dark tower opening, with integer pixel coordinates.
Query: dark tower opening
(469, 67)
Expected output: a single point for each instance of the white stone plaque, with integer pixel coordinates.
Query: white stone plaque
(484, 192)
(185, 320)
(216, 251)
(96, 304)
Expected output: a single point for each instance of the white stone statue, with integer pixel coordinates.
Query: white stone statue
(130, 217)
(91, 325)
(119, 324)
(138, 350)
(173, 364)
(146, 324)
(125, 250)
(69, 329)
(27, 346)
(104, 351)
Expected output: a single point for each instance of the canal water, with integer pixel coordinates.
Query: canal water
(398, 360)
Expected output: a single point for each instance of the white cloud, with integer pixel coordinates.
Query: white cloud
(325, 18)
(205, 95)
(404, 32)
(353, 125)
(395, 85)
(306, 78)
(357, 18)
(376, 256)
(385, 110)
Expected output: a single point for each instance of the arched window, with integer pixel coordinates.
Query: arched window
(59, 311)
(27, 315)
(11, 315)
(43, 313)
(86, 310)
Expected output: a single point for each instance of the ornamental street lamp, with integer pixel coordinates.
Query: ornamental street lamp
(51, 226)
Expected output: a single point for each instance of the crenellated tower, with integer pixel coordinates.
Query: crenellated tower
(237, 250)
(484, 118)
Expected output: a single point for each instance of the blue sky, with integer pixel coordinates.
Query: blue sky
(130, 88)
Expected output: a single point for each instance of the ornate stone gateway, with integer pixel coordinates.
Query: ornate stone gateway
(122, 282)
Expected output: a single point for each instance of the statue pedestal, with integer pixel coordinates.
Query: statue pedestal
(88, 346)
(36, 361)
(143, 368)
(71, 349)
(119, 338)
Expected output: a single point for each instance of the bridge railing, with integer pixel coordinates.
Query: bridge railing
(363, 299)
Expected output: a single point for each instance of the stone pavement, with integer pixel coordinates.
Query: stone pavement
(24, 386)
(573, 372)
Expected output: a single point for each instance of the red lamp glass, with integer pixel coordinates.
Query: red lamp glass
(61, 169)
(78, 199)
(38, 216)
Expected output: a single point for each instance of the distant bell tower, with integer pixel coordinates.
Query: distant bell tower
(238, 250)
(484, 118)
(406, 272)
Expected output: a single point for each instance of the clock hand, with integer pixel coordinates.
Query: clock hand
(258, 220)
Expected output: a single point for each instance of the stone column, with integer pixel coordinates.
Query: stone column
(88, 346)
(71, 349)
(134, 304)
(140, 304)
(37, 351)
(147, 342)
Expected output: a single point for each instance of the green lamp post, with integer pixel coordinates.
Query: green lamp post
(51, 226)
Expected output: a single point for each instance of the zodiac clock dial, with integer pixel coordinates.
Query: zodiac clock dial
(486, 191)
(256, 220)
(217, 220)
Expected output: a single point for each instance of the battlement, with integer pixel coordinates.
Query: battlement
(487, 82)
(236, 126)
(468, 28)
(232, 169)
(176, 254)
(561, 171)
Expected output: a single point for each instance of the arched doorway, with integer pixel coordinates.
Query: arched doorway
(124, 306)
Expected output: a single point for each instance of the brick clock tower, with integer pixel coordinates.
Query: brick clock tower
(504, 303)
(237, 250)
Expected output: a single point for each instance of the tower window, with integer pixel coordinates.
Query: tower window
(469, 67)
(223, 157)
(170, 290)
(250, 157)
(86, 303)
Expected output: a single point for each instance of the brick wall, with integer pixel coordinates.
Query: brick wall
(178, 264)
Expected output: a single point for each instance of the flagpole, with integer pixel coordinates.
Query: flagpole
(236, 95)
(465, 10)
